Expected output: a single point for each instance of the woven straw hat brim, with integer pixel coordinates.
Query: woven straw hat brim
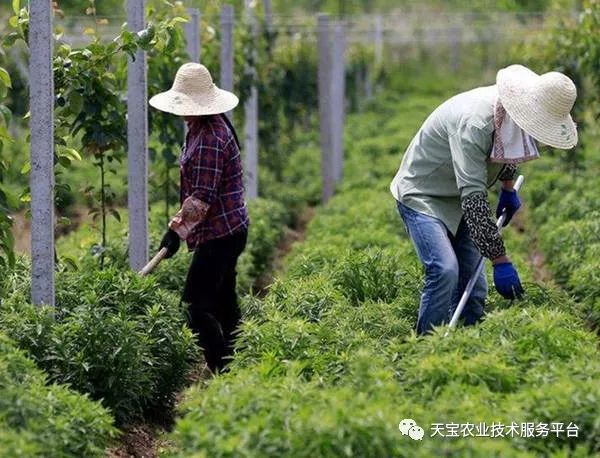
(180, 104)
(517, 91)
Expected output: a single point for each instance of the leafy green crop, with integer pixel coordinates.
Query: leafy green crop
(112, 334)
(328, 363)
(40, 419)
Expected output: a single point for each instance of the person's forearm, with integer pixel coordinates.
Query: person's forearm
(482, 228)
(508, 185)
(500, 260)
(508, 173)
(193, 212)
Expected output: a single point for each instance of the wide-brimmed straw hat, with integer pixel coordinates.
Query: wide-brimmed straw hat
(194, 94)
(539, 104)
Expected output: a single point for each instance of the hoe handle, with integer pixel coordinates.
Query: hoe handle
(155, 261)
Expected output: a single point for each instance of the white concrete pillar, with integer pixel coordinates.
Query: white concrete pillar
(251, 118)
(41, 95)
(324, 83)
(227, 21)
(338, 98)
(137, 142)
(192, 35)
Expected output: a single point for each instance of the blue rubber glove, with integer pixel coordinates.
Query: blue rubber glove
(510, 201)
(506, 280)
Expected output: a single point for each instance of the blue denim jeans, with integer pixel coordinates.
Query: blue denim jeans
(449, 262)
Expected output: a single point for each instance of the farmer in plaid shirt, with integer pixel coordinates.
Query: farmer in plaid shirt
(213, 219)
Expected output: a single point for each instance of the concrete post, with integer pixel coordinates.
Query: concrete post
(137, 140)
(268, 14)
(324, 44)
(455, 48)
(192, 35)
(41, 82)
(251, 118)
(227, 21)
(193, 44)
(378, 38)
(338, 98)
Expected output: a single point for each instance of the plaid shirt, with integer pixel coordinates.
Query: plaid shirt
(211, 170)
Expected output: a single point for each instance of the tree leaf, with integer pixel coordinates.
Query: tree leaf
(4, 133)
(72, 154)
(178, 19)
(64, 161)
(6, 113)
(5, 77)
(75, 102)
(70, 261)
(116, 214)
(11, 200)
(26, 168)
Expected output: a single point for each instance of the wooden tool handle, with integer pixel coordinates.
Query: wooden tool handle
(155, 261)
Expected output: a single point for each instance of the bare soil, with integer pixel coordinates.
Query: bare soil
(535, 256)
(290, 237)
(22, 228)
(146, 439)
(138, 441)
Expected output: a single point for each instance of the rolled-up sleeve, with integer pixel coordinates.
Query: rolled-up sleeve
(207, 169)
(469, 147)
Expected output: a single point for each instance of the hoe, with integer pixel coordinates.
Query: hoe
(478, 270)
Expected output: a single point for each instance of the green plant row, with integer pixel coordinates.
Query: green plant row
(113, 335)
(564, 209)
(328, 364)
(119, 337)
(38, 418)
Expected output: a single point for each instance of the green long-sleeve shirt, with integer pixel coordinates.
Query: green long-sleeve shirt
(447, 160)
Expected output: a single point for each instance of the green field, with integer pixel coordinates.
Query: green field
(328, 364)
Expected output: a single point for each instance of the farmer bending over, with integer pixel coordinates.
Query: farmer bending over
(465, 146)
(213, 219)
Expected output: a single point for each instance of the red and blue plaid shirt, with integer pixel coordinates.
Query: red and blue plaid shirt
(211, 170)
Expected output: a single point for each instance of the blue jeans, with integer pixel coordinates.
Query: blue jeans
(449, 263)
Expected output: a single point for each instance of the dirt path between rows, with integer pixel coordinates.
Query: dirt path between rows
(290, 237)
(21, 228)
(146, 439)
(535, 256)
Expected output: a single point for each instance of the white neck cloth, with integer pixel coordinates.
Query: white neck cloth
(511, 144)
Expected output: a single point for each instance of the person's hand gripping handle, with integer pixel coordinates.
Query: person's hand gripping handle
(169, 245)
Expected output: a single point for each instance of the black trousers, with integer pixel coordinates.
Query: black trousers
(210, 291)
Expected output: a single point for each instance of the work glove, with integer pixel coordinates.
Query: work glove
(509, 201)
(171, 242)
(506, 280)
